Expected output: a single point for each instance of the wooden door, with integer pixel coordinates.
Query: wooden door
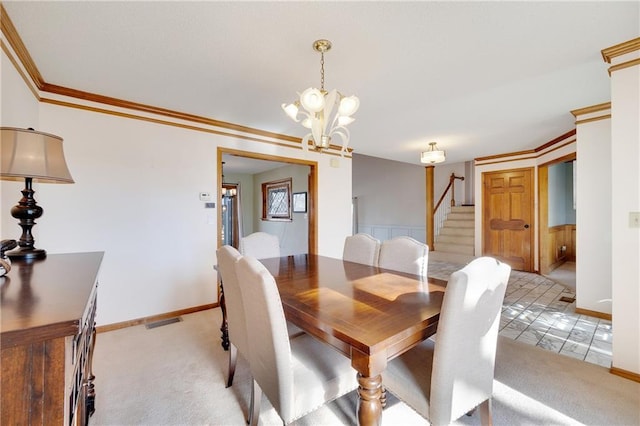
(507, 220)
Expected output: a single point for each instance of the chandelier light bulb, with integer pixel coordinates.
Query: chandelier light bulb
(349, 105)
(312, 100)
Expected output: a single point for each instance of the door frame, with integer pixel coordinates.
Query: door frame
(543, 208)
(312, 189)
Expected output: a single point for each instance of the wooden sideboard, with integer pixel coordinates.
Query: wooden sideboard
(47, 339)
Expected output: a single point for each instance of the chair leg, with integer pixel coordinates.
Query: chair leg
(254, 406)
(233, 357)
(486, 419)
(383, 397)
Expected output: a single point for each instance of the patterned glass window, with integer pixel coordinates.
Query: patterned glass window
(276, 200)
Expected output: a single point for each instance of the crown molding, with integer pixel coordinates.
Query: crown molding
(590, 109)
(533, 153)
(12, 36)
(10, 32)
(620, 49)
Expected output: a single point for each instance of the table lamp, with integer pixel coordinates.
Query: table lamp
(30, 155)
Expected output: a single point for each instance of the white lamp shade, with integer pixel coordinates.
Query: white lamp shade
(312, 100)
(291, 110)
(307, 122)
(344, 120)
(432, 157)
(348, 105)
(30, 154)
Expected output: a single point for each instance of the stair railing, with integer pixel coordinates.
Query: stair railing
(442, 209)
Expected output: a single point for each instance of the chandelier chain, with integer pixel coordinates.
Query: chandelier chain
(322, 71)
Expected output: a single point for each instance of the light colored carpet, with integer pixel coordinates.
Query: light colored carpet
(174, 375)
(564, 274)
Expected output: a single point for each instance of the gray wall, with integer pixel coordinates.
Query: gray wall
(294, 235)
(390, 195)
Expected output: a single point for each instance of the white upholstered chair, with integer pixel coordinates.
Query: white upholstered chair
(444, 380)
(404, 254)
(297, 375)
(260, 245)
(227, 258)
(361, 248)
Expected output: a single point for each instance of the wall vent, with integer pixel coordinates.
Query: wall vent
(160, 323)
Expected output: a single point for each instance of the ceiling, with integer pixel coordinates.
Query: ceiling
(480, 78)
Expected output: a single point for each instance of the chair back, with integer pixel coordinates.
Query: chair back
(236, 323)
(361, 248)
(270, 355)
(404, 254)
(465, 349)
(260, 245)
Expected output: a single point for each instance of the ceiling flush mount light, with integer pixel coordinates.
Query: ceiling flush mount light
(326, 114)
(30, 155)
(432, 155)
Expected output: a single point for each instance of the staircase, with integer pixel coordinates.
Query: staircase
(457, 233)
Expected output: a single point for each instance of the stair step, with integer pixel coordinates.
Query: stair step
(463, 209)
(455, 248)
(443, 256)
(461, 216)
(457, 235)
(452, 230)
(455, 239)
(458, 224)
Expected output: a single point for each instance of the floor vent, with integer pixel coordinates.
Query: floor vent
(160, 323)
(567, 299)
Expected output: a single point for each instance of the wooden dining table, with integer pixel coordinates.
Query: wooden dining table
(369, 314)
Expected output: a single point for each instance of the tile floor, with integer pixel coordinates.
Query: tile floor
(533, 313)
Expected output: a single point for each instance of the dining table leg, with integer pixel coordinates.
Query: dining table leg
(369, 402)
(370, 396)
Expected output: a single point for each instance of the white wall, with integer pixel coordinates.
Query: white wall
(625, 199)
(18, 108)
(441, 175)
(136, 199)
(593, 215)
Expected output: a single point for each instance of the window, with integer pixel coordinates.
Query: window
(276, 200)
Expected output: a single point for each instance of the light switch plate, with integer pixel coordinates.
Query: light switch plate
(634, 219)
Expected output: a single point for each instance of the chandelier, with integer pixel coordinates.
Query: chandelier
(326, 114)
(432, 155)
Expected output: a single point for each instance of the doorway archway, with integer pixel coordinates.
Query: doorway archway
(557, 240)
(312, 189)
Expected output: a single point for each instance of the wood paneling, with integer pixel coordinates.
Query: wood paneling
(559, 247)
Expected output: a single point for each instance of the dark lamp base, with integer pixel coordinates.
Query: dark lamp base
(26, 254)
